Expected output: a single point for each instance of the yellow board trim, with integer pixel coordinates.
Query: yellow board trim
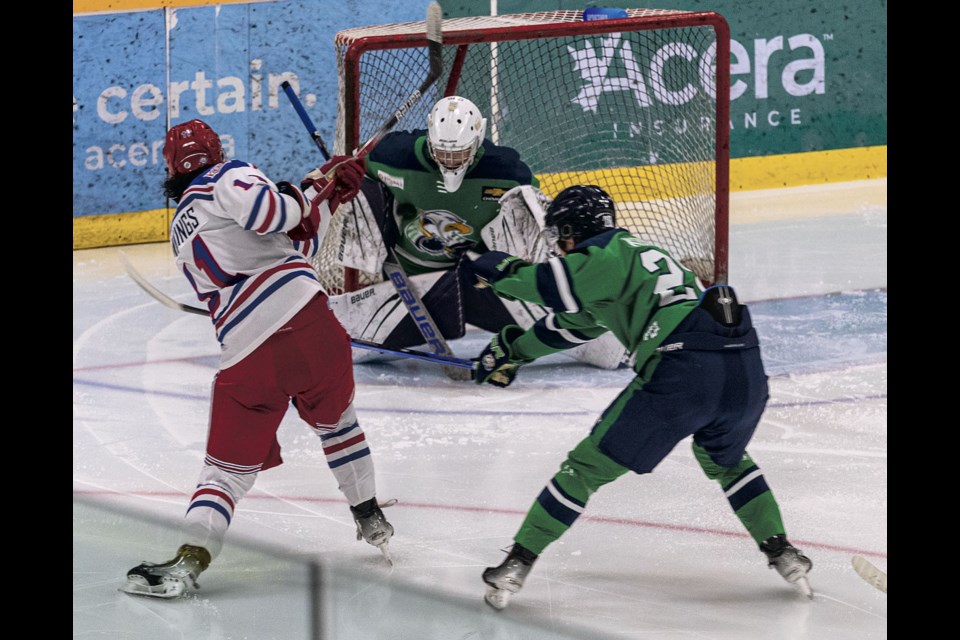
(659, 182)
(95, 6)
(113, 229)
(746, 174)
(815, 167)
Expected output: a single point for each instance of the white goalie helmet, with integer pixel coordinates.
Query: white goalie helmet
(455, 130)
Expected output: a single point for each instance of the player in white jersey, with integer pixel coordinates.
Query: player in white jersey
(243, 242)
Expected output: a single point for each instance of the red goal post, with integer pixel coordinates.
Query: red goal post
(637, 105)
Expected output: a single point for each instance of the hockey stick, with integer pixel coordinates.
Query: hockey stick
(305, 118)
(167, 301)
(155, 293)
(435, 51)
(869, 572)
(425, 323)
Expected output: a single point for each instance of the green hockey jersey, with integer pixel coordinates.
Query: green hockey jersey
(613, 281)
(436, 225)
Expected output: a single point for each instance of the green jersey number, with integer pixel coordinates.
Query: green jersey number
(670, 276)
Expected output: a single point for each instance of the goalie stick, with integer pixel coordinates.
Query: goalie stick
(425, 323)
(447, 361)
(870, 572)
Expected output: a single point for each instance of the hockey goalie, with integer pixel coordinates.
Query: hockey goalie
(376, 313)
(435, 197)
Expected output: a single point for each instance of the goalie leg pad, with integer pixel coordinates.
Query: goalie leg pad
(377, 314)
(605, 352)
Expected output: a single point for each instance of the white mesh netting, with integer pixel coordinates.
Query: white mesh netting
(632, 110)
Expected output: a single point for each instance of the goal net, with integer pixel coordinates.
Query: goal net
(628, 104)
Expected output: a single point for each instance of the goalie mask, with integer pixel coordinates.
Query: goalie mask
(190, 146)
(455, 130)
(578, 213)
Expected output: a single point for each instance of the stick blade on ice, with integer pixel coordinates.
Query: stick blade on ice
(870, 573)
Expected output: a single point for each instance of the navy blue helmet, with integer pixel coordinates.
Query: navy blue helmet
(580, 212)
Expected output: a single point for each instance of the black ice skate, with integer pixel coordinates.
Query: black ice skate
(507, 579)
(373, 527)
(172, 578)
(789, 562)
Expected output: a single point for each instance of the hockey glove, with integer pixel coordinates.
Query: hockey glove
(496, 364)
(342, 186)
(308, 225)
(491, 267)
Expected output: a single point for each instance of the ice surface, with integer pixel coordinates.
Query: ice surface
(654, 556)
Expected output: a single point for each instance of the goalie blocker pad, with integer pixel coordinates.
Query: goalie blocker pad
(364, 229)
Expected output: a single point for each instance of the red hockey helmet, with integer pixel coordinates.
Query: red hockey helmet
(190, 146)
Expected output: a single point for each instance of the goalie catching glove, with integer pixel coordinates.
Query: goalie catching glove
(341, 187)
(498, 362)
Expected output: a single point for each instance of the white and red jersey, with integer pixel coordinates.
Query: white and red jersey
(228, 236)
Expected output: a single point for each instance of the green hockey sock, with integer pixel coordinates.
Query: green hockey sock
(748, 494)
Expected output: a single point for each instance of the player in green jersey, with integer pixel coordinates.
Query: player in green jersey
(698, 373)
(431, 195)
